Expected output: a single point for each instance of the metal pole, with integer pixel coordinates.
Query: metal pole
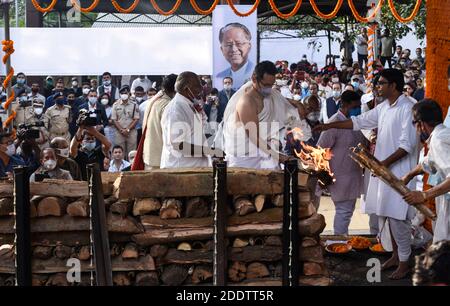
(16, 4)
(6, 7)
(258, 45)
(220, 223)
(346, 42)
(23, 228)
(329, 41)
(290, 264)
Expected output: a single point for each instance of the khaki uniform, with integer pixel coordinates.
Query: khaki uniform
(124, 114)
(23, 114)
(57, 121)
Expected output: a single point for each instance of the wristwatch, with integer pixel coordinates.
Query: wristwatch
(128, 130)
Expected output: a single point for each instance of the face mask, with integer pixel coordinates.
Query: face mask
(63, 152)
(195, 99)
(335, 80)
(74, 83)
(124, 97)
(50, 164)
(38, 110)
(355, 85)
(49, 82)
(305, 85)
(107, 83)
(20, 81)
(297, 97)
(11, 150)
(279, 82)
(104, 101)
(227, 87)
(60, 101)
(35, 90)
(343, 68)
(336, 94)
(139, 99)
(313, 117)
(424, 136)
(86, 91)
(407, 80)
(356, 111)
(92, 100)
(23, 99)
(89, 146)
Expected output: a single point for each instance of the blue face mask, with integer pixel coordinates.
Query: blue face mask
(89, 146)
(355, 85)
(20, 81)
(60, 101)
(356, 111)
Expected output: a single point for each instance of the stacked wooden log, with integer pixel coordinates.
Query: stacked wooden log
(160, 226)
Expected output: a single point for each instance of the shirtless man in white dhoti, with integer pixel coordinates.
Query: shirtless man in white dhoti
(397, 149)
(253, 120)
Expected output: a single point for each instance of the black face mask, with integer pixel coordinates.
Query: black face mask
(424, 136)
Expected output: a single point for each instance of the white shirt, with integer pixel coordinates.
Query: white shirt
(239, 77)
(113, 168)
(146, 84)
(437, 162)
(395, 131)
(37, 97)
(181, 122)
(325, 91)
(361, 48)
(142, 108)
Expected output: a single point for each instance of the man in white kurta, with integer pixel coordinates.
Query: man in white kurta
(182, 123)
(397, 149)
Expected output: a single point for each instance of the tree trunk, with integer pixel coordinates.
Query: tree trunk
(237, 271)
(257, 270)
(197, 207)
(51, 206)
(145, 206)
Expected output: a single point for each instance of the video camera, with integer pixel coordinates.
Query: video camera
(28, 131)
(88, 118)
(39, 177)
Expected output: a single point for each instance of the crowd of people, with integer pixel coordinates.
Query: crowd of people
(187, 122)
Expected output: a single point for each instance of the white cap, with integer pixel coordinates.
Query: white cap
(366, 98)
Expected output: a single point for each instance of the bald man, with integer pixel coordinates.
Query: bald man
(61, 147)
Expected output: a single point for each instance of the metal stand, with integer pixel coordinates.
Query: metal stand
(220, 223)
(290, 263)
(99, 232)
(23, 228)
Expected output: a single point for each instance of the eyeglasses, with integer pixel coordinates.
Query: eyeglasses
(237, 44)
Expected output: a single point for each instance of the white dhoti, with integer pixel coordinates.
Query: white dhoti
(401, 232)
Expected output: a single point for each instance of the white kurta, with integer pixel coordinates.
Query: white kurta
(395, 130)
(182, 123)
(437, 162)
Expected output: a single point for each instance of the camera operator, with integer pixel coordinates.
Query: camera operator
(61, 147)
(49, 168)
(23, 108)
(42, 141)
(58, 117)
(29, 150)
(8, 157)
(96, 110)
(89, 153)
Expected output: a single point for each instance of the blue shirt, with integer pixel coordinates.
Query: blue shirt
(14, 160)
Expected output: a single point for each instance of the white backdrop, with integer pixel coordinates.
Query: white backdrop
(121, 51)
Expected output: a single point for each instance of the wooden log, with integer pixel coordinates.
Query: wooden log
(261, 282)
(6, 206)
(243, 206)
(312, 226)
(78, 208)
(59, 279)
(51, 187)
(170, 209)
(145, 206)
(184, 246)
(260, 199)
(109, 201)
(84, 253)
(198, 182)
(121, 207)
(130, 251)
(126, 225)
(7, 251)
(239, 243)
(33, 210)
(121, 279)
(108, 179)
(257, 270)
(10, 281)
(43, 252)
(273, 241)
(237, 271)
(315, 281)
(116, 250)
(62, 251)
(174, 275)
(38, 280)
(202, 273)
(198, 245)
(311, 254)
(308, 242)
(147, 279)
(197, 207)
(306, 210)
(256, 241)
(51, 206)
(277, 200)
(158, 250)
(313, 268)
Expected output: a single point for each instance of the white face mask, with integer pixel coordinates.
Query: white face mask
(335, 80)
(86, 91)
(50, 164)
(74, 83)
(11, 150)
(38, 110)
(63, 152)
(227, 87)
(305, 85)
(313, 117)
(104, 101)
(297, 97)
(336, 94)
(92, 100)
(139, 99)
(124, 97)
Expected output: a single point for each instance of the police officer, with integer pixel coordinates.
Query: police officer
(125, 116)
(58, 117)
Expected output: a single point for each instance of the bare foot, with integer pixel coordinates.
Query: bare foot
(390, 263)
(401, 272)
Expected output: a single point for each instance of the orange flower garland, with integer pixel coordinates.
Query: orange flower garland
(166, 13)
(122, 10)
(84, 10)
(400, 18)
(251, 11)
(326, 16)
(44, 10)
(204, 12)
(288, 15)
(364, 19)
(8, 48)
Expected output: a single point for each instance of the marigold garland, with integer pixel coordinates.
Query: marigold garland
(364, 19)
(84, 10)
(288, 15)
(251, 11)
(166, 13)
(326, 16)
(125, 11)
(204, 12)
(8, 48)
(44, 10)
(410, 17)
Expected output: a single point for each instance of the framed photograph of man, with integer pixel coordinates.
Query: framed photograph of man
(234, 45)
